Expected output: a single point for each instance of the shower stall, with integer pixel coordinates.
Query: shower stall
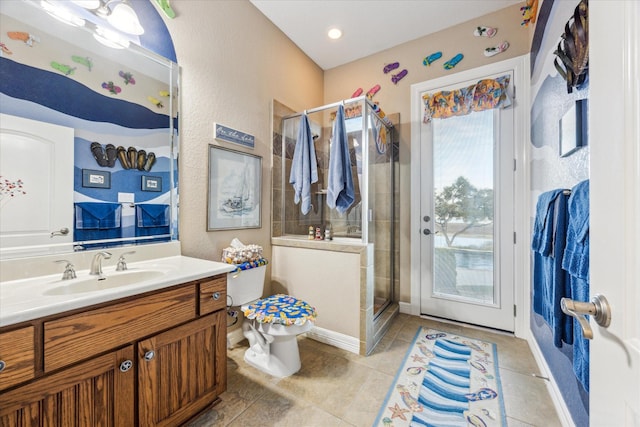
(370, 224)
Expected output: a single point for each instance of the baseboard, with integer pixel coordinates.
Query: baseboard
(234, 337)
(336, 339)
(405, 307)
(552, 386)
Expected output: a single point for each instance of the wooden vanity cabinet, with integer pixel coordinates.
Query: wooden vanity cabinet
(17, 356)
(178, 368)
(98, 392)
(181, 371)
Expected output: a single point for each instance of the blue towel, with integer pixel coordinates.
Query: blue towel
(91, 216)
(550, 282)
(580, 289)
(542, 239)
(304, 167)
(340, 192)
(576, 254)
(149, 215)
(576, 262)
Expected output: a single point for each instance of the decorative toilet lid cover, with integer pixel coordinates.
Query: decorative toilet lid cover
(281, 309)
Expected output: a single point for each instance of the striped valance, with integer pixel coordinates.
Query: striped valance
(486, 94)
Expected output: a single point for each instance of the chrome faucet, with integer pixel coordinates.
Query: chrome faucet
(69, 272)
(96, 264)
(122, 263)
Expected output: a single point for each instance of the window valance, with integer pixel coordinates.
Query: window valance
(486, 94)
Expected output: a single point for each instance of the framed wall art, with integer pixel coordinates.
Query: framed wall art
(96, 179)
(573, 128)
(234, 189)
(151, 183)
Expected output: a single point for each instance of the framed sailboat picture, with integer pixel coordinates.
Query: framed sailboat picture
(234, 189)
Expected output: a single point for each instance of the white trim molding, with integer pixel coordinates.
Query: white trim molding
(521, 279)
(335, 339)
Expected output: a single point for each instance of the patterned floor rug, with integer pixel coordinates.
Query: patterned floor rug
(445, 380)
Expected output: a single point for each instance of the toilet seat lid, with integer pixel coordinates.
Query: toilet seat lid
(280, 309)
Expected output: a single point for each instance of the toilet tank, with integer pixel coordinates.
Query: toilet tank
(244, 286)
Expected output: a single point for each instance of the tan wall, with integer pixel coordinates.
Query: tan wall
(341, 82)
(234, 61)
(330, 281)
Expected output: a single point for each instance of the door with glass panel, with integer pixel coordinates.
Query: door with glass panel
(467, 217)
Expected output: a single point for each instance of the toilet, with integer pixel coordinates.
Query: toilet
(271, 324)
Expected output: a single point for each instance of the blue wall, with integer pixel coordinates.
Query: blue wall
(550, 102)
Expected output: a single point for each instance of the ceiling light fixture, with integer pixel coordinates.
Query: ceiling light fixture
(124, 18)
(118, 13)
(87, 4)
(110, 38)
(58, 11)
(334, 33)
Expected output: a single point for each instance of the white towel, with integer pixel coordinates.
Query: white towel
(304, 168)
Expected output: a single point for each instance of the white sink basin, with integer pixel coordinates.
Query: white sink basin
(107, 281)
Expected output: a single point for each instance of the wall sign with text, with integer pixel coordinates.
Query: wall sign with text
(228, 134)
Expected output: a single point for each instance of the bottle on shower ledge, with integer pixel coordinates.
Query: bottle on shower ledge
(327, 232)
(311, 235)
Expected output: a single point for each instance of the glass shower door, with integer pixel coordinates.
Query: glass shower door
(381, 202)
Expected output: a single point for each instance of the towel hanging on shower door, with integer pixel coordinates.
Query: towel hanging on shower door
(304, 167)
(340, 192)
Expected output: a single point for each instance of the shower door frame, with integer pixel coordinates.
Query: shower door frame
(367, 211)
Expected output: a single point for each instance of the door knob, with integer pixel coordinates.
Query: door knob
(426, 231)
(62, 232)
(599, 308)
(426, 218)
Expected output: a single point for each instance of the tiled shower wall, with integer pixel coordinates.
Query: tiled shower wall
(384, 182)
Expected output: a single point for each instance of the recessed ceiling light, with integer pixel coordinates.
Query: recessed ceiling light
(334, 33)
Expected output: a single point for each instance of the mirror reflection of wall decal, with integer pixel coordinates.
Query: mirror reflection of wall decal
(92, 114)
(151, 183)
(96, 179)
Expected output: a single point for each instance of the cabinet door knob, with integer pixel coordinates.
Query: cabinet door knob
(149, 355)
(3, 365)
(216, 296)
(126, 365)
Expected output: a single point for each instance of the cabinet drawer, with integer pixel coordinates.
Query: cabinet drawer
(79, 336)
(17, 356)
(213, 294)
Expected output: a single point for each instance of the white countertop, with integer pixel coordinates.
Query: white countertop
(27, 299)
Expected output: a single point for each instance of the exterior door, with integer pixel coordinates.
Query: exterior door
(466, 214)
(614, 135)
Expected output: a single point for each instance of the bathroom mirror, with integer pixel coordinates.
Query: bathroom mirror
(88, 137)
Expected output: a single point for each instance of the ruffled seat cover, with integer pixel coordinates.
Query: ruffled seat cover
(280, 309)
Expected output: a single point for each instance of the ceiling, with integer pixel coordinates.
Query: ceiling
(368, 26)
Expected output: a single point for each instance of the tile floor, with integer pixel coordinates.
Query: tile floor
(339, 388)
